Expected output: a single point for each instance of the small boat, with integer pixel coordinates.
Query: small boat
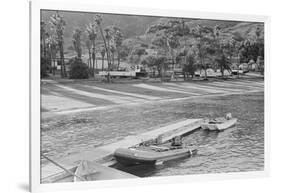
(218, 124)
(151, 155)
(87, 171)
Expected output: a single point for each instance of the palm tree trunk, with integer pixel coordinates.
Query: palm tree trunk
(105, 45)
(205, 67)
(53, 65)
(162, 72)
(159, 72)
(61, 60)
(109, 60)
(93, 58)
(102, 61)
(44, 48)
(96, 63)
(118, 58)
(51, 59)
(205, 72)
(90, 61)
(238, 66)
(112, 58)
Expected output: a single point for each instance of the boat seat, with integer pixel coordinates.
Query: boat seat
(160, 148)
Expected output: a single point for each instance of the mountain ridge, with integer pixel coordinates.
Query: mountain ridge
(134, 27)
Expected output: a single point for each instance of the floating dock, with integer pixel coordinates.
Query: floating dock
(104, 155)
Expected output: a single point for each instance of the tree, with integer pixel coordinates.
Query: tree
(102, 56)
(53, 49)
(223, 63)
(135, 55)
(92, 32)
(58, 25)
(222, 49)
(179, 29)
(123, 53)
(172, 43)
(98, 20)
(108, 38)
(43, 52)
(118, 38)
(239, 39)
(43, 36)
(189, 66)
(88, 44)
(78, 69)
(112, 51)
(259, 45)
(230, 48)
(167, 36)
(155, 62)
(162, 50)
(184, 31)
(139, 52)
(204, 36)
(76, 39)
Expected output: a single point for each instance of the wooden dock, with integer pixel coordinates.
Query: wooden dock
(104, 155)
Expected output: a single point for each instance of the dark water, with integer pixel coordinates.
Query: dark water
(240, 148)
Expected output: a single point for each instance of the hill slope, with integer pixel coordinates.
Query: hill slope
(134, 27)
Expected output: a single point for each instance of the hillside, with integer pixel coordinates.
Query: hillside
(134, 27)
(131, 25)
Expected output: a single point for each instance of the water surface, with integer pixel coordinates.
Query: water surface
(237, 149)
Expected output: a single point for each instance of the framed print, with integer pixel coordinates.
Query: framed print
(123, 96)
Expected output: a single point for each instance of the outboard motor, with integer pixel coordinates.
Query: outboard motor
(177, 141)
(228, 116)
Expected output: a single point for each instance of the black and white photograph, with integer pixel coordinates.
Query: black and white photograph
(127, 96)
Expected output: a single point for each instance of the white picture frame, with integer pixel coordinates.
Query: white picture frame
(36, 6)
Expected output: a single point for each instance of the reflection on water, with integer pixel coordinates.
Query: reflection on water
(240, 148)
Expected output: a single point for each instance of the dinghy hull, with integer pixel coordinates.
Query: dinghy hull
(130, 156)
(219, 126)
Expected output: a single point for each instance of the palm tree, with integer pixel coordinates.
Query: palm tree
(112, 50)
(92, 35)
(52, 45)
(88, 46)
(43, 51)
(77, 42)
(172, 43)
(259, 43)
(98, 20)
(204, 44)
(239, 39)
(107, 38)
(58, 25)
(43, 34)
(167, 37)
(117, 38)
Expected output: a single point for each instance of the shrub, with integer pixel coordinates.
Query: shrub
(78, 69)
(189, 66)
